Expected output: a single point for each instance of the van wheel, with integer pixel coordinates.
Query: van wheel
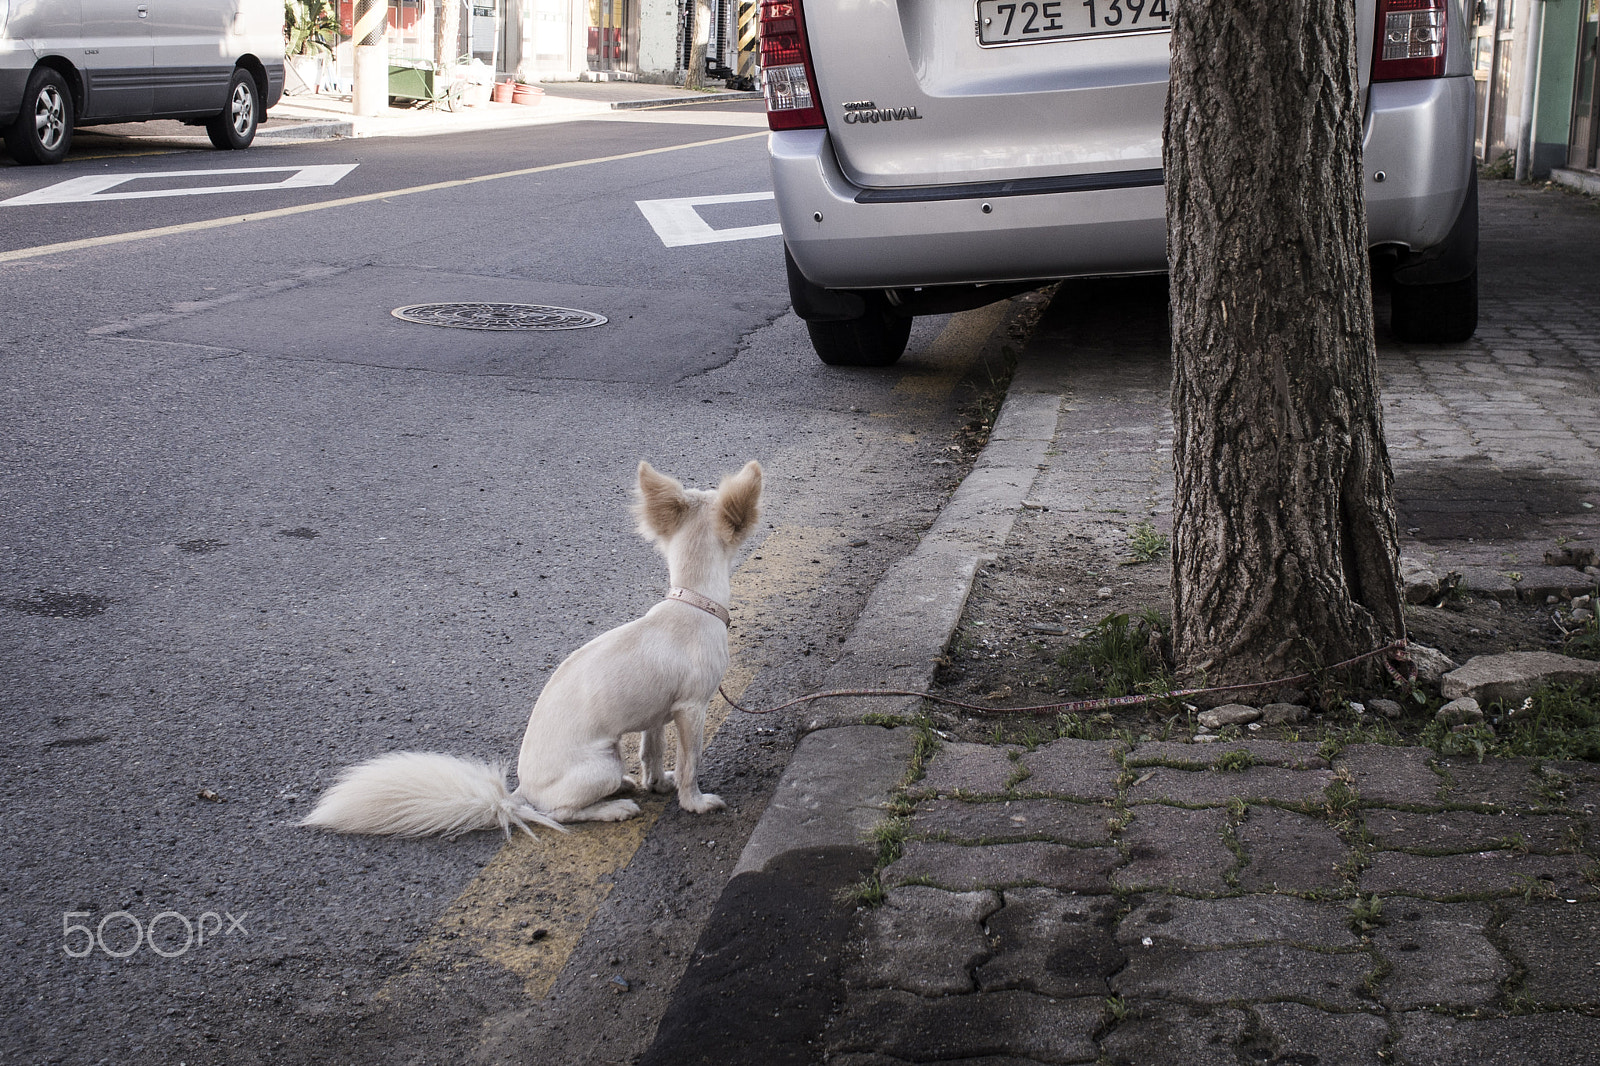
(1446, 313)
(235, 127)
(42, 132)
(877, 338)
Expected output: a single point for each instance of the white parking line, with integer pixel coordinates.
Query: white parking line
(96, 187)
(109, 239)
(678, 224)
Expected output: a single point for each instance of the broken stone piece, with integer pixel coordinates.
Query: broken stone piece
(1514, 676)
(1421, 583)
(1228, 714)
(1431, 663)
(1460, 712)
(1284, 713)
(1387, 708)
(1578, 555)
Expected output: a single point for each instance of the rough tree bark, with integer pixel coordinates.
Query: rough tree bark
(1284, 530)
(447, 34)
(699, 30)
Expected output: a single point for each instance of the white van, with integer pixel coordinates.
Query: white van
(66, 63)
(931, 155)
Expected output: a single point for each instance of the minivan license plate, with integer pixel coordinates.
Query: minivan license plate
(1002, 22)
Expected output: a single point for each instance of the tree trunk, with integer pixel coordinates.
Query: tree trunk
(700, 34)
(447, 39)
(1284, 529)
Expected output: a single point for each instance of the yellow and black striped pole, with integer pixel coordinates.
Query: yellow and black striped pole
(749, 29)
(371, 92)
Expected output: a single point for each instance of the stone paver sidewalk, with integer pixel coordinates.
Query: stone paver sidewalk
(1088, 901)
(1167, 903)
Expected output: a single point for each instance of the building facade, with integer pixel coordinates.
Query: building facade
(561, 40)
(1538, 87)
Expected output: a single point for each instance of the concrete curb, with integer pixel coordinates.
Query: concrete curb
(902, 631)
(307, 131)
(672, 101)
(774, 936)
(831, 793)
(303, 122)
(1583, 181)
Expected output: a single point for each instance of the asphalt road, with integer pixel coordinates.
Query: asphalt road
(253, 528)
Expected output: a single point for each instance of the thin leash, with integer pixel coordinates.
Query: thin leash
(1396, 652)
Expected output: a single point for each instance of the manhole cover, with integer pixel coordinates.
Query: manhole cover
(498, 316)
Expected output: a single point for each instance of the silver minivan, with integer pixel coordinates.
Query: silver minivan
(67, 63)
(934, 155)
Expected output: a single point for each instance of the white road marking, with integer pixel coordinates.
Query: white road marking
(109, 239)
(97, 187)
(678, 224)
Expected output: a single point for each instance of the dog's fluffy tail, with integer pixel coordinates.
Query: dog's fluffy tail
(416, 794)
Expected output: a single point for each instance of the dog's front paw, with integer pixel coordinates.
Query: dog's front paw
(666, 782)
(704, 803)
(613, 811)
(629, 784)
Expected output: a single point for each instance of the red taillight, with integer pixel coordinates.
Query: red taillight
(1410, 40)
(786, 75)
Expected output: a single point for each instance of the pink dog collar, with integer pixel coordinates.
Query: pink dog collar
(705, 603)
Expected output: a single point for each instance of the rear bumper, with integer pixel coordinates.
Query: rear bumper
(1418, 135)
(945, 242)
(16, 63)
(274, 84)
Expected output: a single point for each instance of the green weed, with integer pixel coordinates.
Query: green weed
(923, 747)
(869, 893)
(889, 837)
(1236, 761)
(1536, 888)
(1366, 914)
(1556, 722)
(1383, 968)
(1145, 545)
(1078, 727)
(1584, 642)
(1340, 801)
(1503, 168)
(1120, 657)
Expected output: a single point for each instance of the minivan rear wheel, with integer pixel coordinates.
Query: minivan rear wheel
(235, 127)
(42, 132)
(877, 338)
(1445, 313)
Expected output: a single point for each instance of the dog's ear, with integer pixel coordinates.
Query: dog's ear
(739, 503)
(662, 504)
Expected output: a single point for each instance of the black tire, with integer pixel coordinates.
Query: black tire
(1446, 313)
(877, 338)
(42, 132)
(235, 126)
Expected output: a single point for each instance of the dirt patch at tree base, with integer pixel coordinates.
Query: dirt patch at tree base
(1037, 618)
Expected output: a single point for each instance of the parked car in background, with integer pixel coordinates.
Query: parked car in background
(69, 63)
(938, 155)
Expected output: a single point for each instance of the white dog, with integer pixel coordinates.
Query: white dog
(636, 678)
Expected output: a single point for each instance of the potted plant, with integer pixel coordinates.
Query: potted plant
(310, 28)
